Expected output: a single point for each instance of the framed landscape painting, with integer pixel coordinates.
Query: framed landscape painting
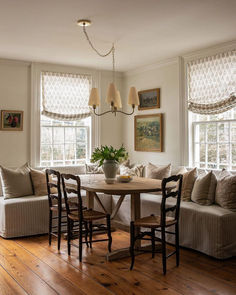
(148, 133)
(149, 99)
(12, 120)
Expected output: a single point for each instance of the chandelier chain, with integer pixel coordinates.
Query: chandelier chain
(92, 46)
(111, 51)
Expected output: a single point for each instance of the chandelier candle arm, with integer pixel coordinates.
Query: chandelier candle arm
(113, 95)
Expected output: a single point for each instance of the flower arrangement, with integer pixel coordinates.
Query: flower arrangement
(109, 153)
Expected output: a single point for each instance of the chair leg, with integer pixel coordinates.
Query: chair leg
(90, 233)
(177, 243)
(163, 241)
(50, 228)
(153, 242)
(69, 225)
(109, 232)
(132, 241)
(59, 231)
(80, 240)
(86, 233)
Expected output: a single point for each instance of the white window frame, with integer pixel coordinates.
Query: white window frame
(186, 130)
(88, 147)
(217, 143)
(36, 69)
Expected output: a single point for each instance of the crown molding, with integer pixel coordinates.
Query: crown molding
(15, 62)
(210, 50)
(153, 66)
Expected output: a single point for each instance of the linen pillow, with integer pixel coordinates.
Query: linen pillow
(204, 189)
(39, 183)
(137, 170)
(93, 168)
(156, 172)
(223, 173)
(178, 170)
(226, 192)
(16, 183)
(187, 184)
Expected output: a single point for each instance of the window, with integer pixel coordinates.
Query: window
(64, 143)
(214, 140)
(212, 111)
(65, 121)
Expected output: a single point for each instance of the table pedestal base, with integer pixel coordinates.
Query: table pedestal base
(123, 253)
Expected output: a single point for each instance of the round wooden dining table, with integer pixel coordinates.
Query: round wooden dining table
(94, 184)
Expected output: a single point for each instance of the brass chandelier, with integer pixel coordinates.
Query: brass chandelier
(113, 95)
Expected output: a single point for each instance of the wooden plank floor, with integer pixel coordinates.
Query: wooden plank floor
(30, 266)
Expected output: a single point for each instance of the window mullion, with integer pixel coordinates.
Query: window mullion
(64, 147)
(217, 146)
(87, 143)
(52, 146)
(206, 148)
(75, 130)
(230, 147)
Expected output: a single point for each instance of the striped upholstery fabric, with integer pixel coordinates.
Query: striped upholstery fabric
(23, 216)
(28, 216)
(208, 229)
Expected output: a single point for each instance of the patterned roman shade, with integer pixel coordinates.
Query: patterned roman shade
(65, 96)
(212, 83)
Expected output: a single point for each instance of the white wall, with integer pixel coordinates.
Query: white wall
(111, 126)
(15, 95)
(166, 77)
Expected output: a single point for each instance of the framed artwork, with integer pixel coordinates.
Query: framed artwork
(148, 133)
(12, 120)
(149, 99)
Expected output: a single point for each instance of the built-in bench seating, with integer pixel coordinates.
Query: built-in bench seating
(208, 229)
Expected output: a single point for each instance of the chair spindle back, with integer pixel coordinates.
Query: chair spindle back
(50, 175)
(165, 194)
(68, 189)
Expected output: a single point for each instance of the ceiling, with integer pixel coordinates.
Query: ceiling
(144, 31)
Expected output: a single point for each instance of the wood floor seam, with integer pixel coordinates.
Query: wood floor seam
(13, 278)
(55, 254)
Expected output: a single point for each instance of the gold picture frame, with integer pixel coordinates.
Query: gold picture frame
(11, 120)
(149, 99)
(148, 135)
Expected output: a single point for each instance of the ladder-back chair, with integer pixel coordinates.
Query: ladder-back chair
(56, 208)
(82, 215)
(160, 223)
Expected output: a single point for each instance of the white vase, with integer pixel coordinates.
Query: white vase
(110, 168)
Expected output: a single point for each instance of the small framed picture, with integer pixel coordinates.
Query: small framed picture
(148, 133)
(149, 99)
(12, 120)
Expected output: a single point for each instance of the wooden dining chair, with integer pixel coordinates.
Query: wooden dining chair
(159, 223)
(57, 210)
(85, 217)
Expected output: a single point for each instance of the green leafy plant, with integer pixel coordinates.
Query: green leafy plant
(109, 153)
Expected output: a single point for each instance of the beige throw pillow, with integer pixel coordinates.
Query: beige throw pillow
(226, 192)
(16, 183)
(156, 172)
(39, 182)
(187, 184)
(137, 170)
(175, 170)
(204, 189)
(94, 168)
